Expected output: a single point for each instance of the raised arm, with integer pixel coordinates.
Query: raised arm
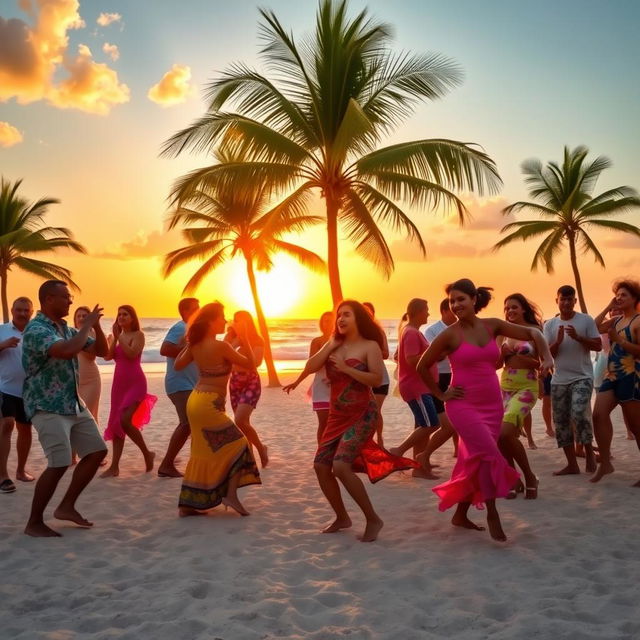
(67, 349)
(314, 363)
(441, 347)
(520, 332)
(631, 347)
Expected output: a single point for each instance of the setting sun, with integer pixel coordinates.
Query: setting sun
(279, 289)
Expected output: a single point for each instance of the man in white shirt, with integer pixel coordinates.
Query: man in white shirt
(11, 405)
(572, 336)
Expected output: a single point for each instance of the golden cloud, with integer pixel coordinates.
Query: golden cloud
(144, 245)
(485, 215)
(9, 135)
(105, 19)
(174, 87)
(31, 55)
(111, 50)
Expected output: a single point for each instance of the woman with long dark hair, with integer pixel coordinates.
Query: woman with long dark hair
(130, 403)
(520, 387)
(353, 359)
(621, 384)
(221, 460)
(244, 385)
(474, 403)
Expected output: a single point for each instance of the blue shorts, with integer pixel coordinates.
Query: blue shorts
(624, 389)
(424, 411)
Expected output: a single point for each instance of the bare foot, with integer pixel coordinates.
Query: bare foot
(24, 476)
(605, 468)
(236, 505)
(424, 473)
(465, 523)
(569, 470)
(169, 472)
(71, 514)
(111, 472)
(264, 456)
(337, 524)
(532, 445)
(148, 461)
(184, 512)
(425, 463)
(495, 528)
(103, 462)
(371, 531)
(40, 530)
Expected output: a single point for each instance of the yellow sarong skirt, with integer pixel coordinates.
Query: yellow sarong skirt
(218, 452)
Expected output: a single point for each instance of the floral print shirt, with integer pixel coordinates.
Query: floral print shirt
(51, 384)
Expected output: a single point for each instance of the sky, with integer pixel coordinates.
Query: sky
(90, 89)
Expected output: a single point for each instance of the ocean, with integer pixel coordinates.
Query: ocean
(290, 339)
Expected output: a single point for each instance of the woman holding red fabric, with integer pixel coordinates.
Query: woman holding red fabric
(353, 360)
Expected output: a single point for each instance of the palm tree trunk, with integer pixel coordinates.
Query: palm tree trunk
(262, 324)
(332, 250)
(3, 293)
(576, 275)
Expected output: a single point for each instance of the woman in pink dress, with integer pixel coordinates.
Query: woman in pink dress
(474, 403)
(130, 403)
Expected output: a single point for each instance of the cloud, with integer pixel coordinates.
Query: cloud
(622, 241)
(463, 247)
(105, 19)
(91, 86)
(9, 135)
(174, 87)
(31, 58)
(485, 215)
(111, 50)
(144, 245)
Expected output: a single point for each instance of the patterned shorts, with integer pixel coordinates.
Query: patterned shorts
(244, 388)
(519, 394)
(571, 403)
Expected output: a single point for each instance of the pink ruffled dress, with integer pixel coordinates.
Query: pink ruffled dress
(129, 387)
(481, 473)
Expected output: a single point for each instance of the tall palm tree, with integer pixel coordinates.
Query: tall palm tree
(222, 223)
(316, 124)
(22, 232)
(568, 210)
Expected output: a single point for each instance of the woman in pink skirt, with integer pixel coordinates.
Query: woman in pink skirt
(130, 403)
(473, 403)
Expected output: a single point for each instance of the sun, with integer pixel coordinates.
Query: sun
(278, 289)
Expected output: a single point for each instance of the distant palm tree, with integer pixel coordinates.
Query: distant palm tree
(317, 125)
(221, 223)
(22, 232)
(567, 210)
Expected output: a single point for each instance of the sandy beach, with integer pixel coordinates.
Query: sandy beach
(568, 569)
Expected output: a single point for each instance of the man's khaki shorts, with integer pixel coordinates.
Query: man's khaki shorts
(60, 434)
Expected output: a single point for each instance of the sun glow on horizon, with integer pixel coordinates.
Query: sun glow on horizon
(278, 289)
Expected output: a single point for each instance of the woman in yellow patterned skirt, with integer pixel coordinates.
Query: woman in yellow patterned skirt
(221, 460)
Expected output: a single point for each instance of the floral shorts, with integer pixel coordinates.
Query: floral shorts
(519, 394)
(244, 388)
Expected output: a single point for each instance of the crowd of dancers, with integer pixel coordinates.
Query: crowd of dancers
(446, 375)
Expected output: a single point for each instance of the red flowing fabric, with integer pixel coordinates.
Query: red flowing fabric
(352, 405)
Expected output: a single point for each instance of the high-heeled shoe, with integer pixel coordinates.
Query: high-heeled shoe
(531, 493)
(238, 508)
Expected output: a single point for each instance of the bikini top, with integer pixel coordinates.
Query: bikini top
(218, 371)
(627, 329)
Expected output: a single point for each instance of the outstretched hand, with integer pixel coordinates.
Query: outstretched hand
(93, 317)
(288, 388)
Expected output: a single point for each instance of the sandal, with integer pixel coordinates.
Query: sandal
(531, 493)
(512, 494)
(7, 486)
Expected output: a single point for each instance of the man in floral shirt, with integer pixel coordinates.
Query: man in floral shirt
(52, 403)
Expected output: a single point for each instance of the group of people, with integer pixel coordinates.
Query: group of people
(447, 377)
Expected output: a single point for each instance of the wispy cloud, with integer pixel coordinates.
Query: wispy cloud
(9, 135)
(143, 245)
(105, 19)
(111, 50)
(174, 87)
(31, 58)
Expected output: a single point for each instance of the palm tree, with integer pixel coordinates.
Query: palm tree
(22, 232)
(316, 125)
(222, 223)
(568, 210)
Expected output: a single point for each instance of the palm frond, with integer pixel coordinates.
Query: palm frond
(46, 270)
(178, 257)
(305, 257)
(209, 266)
(525, 230)
(589, 245)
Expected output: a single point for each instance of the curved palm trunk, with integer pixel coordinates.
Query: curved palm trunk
(3, 294)
(576, 275)
(332, 251)
(262, 324)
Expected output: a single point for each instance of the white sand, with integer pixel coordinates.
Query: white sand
(569, 569)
